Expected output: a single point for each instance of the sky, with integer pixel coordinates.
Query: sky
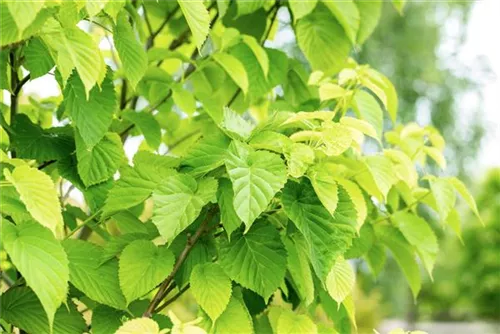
(482, 40)
(481, 43)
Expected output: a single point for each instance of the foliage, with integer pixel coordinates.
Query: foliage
(477, 269)
(257, 178)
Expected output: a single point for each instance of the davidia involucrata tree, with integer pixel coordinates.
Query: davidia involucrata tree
(259, 175)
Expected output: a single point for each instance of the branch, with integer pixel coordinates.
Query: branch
(151, 40)
(173, 299)
(191, 241)
(46, 163)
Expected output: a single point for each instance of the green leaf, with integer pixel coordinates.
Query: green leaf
(357, 199)
(420, 235)
(97, 281)
(207, 154)
(256, 260)
(384, 89)
(362, 244)
(76, 49)
(403, 254)
(211, 288)
(330, 91)
(340, 280)
(32, 142)
(131, 52)
(376, 258)
(235, 319)
(368, 109)
(325, 186)
(248, 7)
(299, 157)
(256, 176)
(327, 236)
(101, 162)
(399, 5)
(38, 60)
(142, 267)
(454, 221)
(147, 124)
(257, 82)
(92, 116)
(136, 184)
(184, 99)
(462, 190)
(235, 126)
(38, 193)
(197, 18)
(301, 8)
(369, 12)
(291, 322)
(258, 52)
(234, 68)
(106, 320)
(299, 268)
(348, 16)
(444, 195)
(378, 178)
(323, 41)
(139, 326)
(115, 245)
(24, 13)
(41, 260)
(335, 139)
(178, 201)
(360, 125)
(21, 308)
(229, 218)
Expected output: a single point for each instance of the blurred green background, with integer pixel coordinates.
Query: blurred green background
(439, 59)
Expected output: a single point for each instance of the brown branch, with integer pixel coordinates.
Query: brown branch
(191, 241)
(171, 300)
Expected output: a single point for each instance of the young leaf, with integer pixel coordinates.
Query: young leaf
(299, 157)
(38, 193)
(142, 267)
(234, 68)
(235, 319)
(462, 190)
(403, 254)
(24, 13)
(420, 235)
(325, 186)
(41, 260)
(97, 281)
(256, 260)
(139, 326)
(197, 18)
(92, 115)
(211, 288)
(301, 8)
(101, 162)
(235, 126)
(256, 176)
(131, 52)
(444, 196)
(178, 200)
(340, 280)
(291, 322)
(368, 109)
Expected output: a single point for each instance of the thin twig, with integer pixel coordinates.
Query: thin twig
(85, 223)
(191, 241)
(173, 299)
